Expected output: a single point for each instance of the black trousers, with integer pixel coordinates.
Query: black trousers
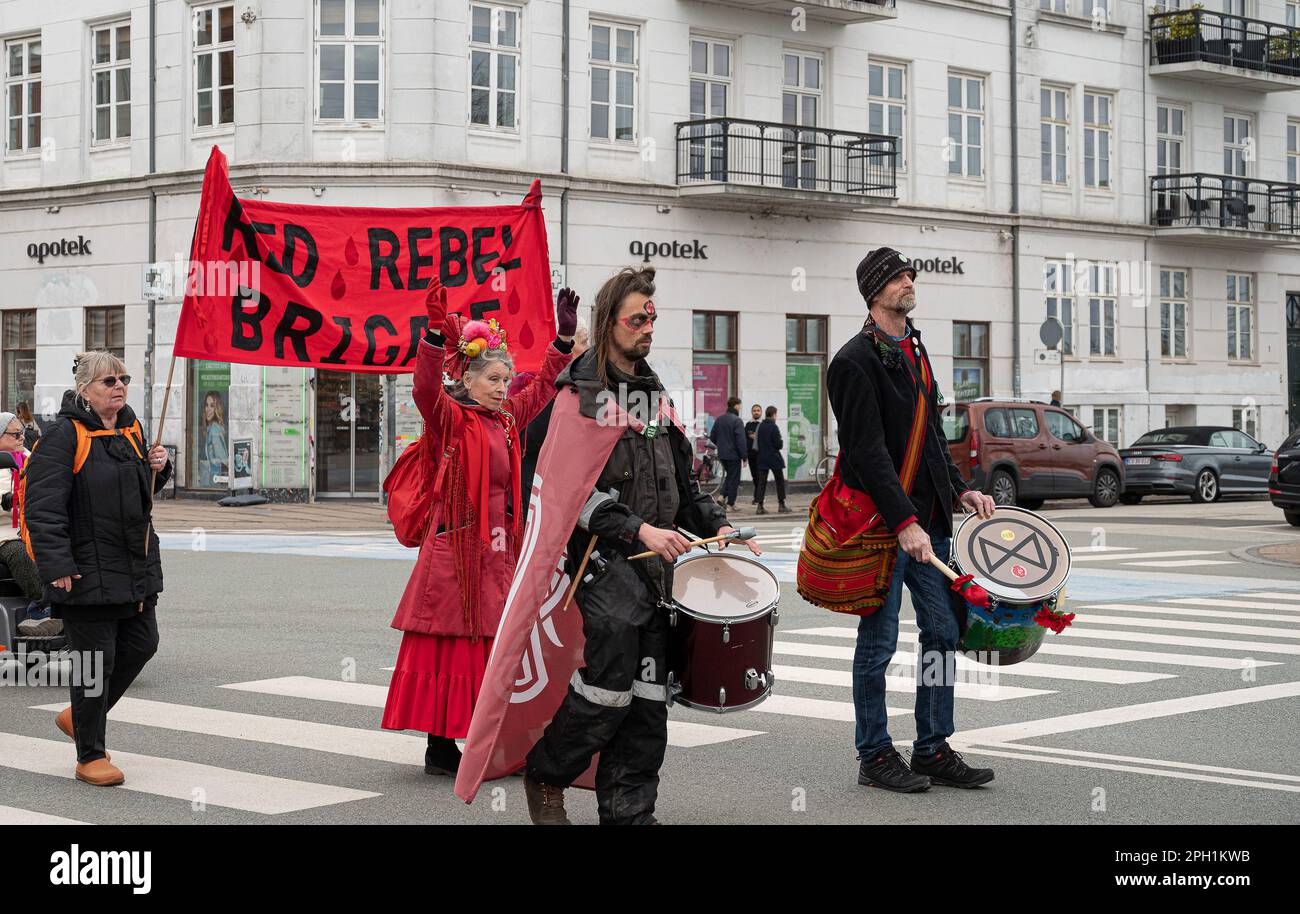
(615, 705)
(731, 482)
(761, 489)
(753, 473)
(123, 646)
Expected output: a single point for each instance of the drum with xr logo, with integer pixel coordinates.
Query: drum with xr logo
(1023, 562)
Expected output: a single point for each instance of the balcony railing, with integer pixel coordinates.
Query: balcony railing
(1225, 202)
(1187, 36)
(762, 154)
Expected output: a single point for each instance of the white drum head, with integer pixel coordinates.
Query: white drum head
(1014, 555)
(724, 587)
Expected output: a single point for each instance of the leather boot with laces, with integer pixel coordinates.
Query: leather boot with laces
(886, 769)
(545, 803)
(946, 767)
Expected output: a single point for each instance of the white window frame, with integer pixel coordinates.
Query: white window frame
(214, 49)
(349, 41)
(1103, 311)
(959, 147)
(886, 104)
(1088, 8)
(1109, 417)
(1293, 151)
(1054, 6)
(1167, 139)
(1057, 124)
(1175, 313)
(614, 67)
(112, 67)
(1059, 297)
(1099, 130)
(25, 81)
(1292, 13)
(1240, 148)
(710, 77)
(1240, 305)
(1245, 419)
(496, 51)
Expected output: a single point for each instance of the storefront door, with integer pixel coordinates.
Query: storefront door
(347, 434)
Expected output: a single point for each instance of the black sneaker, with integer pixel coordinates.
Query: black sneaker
(946, 767)
(888, 770)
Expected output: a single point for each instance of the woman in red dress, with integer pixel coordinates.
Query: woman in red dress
(457, 592)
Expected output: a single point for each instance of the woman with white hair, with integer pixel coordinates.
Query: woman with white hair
(457, 592)
(89, 494)
(13, 551)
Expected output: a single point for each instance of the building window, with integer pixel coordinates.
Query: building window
(494, 66)
(1173, 314)
(106, 329)
(614, 56)
(23, 94)
(1245, 419)
(1293, 12)
(1101, 309)
(887, 104)
(710, 98)
(1293, 151)
(970, 360)
(214, 65)
(1098, 114)
(1238, 147)
(1096, 9)
(110, 77)
(1058, 288)
(1055, 6)
(1105, 423)
(713, 361)
(801, 97)
(1167, 6)
(349, 60)
(965, 141)
(1054, 111)
(1241, 306)
(19, 342)
(1171, 126)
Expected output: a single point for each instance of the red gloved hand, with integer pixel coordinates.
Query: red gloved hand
(436, 304)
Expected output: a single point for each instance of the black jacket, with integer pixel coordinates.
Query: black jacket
(728, 433)
(873, 406)
(751, 428)
(770, 445)
(92, 523)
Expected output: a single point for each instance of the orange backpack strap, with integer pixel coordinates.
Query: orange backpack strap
(131, 433)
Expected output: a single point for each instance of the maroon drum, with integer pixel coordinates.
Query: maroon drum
(720, 632)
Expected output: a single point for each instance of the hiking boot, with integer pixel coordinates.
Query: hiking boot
(887, 770)
(100, 773)
(783, 509)
(760, 510)
(946, 768)
(442, 757)
(545, 803)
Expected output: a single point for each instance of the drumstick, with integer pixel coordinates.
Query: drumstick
(744, 533)
(943, 566)
(578, 577)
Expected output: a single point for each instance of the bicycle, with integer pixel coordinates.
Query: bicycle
(825, 467)
(708, 471)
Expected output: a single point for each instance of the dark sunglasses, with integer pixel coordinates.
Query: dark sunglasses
(111, 381)
(17, 434)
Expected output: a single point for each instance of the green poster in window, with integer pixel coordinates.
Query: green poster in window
(803, 390)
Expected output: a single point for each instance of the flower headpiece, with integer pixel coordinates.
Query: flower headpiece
(477, 337)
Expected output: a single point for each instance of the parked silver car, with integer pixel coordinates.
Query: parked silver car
(1202, 461)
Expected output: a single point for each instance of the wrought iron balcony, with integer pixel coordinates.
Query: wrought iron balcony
(1230, 50)
(841, 11)
(1225, 205)
(730, 151)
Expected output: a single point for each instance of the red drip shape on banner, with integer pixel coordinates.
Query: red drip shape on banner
(526, 335)
(350, 253)
(338, 285)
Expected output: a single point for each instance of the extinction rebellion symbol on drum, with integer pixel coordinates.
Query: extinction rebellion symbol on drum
(1002, 541)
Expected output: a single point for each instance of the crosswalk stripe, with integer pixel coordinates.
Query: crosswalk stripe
(1087, 619)
(682, 734)
(1192, 613)
(180, 780)
(844, 678)
(820, 708)
(1097, 634)
(1239, 604)
(1078, 650)
(1190, 766)
(1272, 595)
(12, 815)
(1183, 563)
(1028, 668)
(1130, 556)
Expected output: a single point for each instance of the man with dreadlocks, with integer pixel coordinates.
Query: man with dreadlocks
(455, 596)
(616, 704)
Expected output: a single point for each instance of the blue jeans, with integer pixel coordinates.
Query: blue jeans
(877, 641)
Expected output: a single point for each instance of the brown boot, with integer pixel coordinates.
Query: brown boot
(64, 722)
(100, 773)
(545, 803)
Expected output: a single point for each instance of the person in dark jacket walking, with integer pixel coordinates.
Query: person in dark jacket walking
(875, 383)
(92, 538)
(751, 436)
(769, 446)
(728, 433)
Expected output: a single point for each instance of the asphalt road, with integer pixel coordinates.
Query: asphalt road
(1175, 697)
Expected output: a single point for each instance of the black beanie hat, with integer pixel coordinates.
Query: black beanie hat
(878, 268)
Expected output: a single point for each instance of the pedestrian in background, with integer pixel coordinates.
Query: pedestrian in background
(13, 551)
(751, 435)
(1056, 398)
(770, 445)
(31, 431)
(90, 529)
(728, 433)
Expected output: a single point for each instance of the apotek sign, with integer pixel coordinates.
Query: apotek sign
(64, 247)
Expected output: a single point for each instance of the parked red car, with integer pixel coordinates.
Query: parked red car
(1023, 452)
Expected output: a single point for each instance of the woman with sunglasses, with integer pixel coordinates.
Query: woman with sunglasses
(89, 519)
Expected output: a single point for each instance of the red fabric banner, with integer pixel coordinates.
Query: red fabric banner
(343, 287)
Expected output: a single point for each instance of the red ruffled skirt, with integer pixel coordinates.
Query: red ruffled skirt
(435, 684)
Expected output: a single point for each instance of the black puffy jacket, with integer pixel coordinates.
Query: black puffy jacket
(92, 523)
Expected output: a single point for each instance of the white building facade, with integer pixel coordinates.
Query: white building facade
(1136, 177)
